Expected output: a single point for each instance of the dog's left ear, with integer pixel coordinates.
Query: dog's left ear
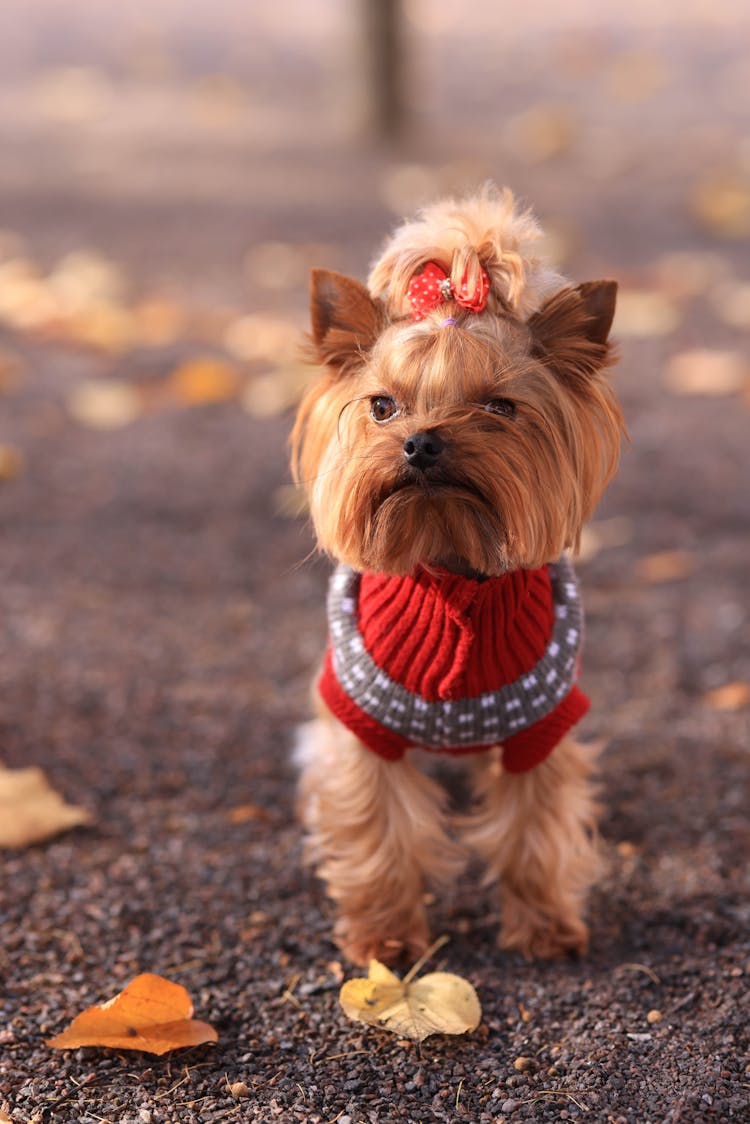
(570, 333)
(346, 320)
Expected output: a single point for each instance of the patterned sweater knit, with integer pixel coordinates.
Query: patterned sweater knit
(454, 664)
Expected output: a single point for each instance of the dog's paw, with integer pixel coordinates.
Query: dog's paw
(544, 938)
(360, 945)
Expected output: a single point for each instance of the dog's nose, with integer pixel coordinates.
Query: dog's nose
(423, 449)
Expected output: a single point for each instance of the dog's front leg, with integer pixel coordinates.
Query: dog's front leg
(536, 832)
(376, 834)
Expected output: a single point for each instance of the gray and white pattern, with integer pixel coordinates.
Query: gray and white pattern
(483, 720)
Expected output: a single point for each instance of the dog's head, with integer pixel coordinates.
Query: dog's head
(464, 418)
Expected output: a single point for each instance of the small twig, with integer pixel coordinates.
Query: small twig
(417, 968)
(287, 996)
(555, 1093)
(458, 1092)
(641, 968)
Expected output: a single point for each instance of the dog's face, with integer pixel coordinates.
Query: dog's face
(481, 444)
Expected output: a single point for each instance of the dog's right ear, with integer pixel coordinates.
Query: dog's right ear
(346, 321)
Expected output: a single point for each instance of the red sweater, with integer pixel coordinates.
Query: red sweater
(454, 664)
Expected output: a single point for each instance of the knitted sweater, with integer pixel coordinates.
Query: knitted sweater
(456, 665)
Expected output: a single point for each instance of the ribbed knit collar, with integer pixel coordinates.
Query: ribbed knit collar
(448, 660)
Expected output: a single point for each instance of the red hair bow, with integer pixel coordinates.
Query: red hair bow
(432, 286)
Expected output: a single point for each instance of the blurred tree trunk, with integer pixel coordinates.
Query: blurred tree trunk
(384, 45)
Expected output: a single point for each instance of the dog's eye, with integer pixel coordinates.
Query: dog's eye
(504, 407)
(382, 408)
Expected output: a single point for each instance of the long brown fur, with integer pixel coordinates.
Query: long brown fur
(509, 492)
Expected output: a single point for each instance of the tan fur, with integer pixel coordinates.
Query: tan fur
(507, 492)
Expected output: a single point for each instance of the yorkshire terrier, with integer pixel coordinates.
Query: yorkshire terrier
(461, 433)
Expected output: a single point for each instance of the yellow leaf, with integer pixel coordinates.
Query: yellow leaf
(151, 1014)
(721, 201)
(644, 313)
(205, 379)
(542, 132)
(30, 809)
(104, 403)
(705, 371)
(731, 696)
(438, 1003)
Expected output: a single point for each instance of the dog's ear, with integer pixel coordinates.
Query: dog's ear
(346, 320)
(570, 333)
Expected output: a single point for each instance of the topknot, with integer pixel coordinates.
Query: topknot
(487, 230)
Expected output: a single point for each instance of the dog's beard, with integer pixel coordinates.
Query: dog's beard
(434, 522)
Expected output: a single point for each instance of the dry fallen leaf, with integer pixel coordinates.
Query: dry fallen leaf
(4, 1118)
(205, 379)
(438, 1003)
(30, 809)
(730, 696)
(11, 463)
(644, 313)
(542, 132)
(244, 813)
(104, 403)
(151, 1014)
(666, 566)
(721, 202)
(706, 371)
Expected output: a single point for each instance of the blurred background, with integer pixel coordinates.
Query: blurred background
(169, 172)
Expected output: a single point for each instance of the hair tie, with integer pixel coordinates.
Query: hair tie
(432, 286)
(448, 320)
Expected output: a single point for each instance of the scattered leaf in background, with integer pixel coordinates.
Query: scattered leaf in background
(73, 94)
(438, 1003)
(603, 535)
(30, 809)
(731, 696)
(25, 300)
(11, 463)
(158, 321)
(721, 202)
(84, 279)
(731, 303)
(645, 313)
(151, 1014)
(406, 187)
(267, 395)
(542, 133)
(4, 1118)
(205, 379)
(688, 274)
(276, 265)
(10, 371)
(636, 76)
(104, 403)
(244, 813)
(258, 337)
(107, 327)
(703, 371)
(665, 566)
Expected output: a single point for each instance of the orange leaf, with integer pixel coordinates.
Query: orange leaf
(666, 566)
(732, 696)
(151, 1014)
(205, 379)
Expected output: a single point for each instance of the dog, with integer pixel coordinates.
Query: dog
(461, 432)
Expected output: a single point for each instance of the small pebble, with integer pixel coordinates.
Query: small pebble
(653, 1016)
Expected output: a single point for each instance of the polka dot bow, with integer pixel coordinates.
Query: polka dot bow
(432, 286)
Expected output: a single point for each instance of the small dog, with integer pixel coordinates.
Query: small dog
(462, 432)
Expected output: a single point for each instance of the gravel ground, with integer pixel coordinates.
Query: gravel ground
(161, 620)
